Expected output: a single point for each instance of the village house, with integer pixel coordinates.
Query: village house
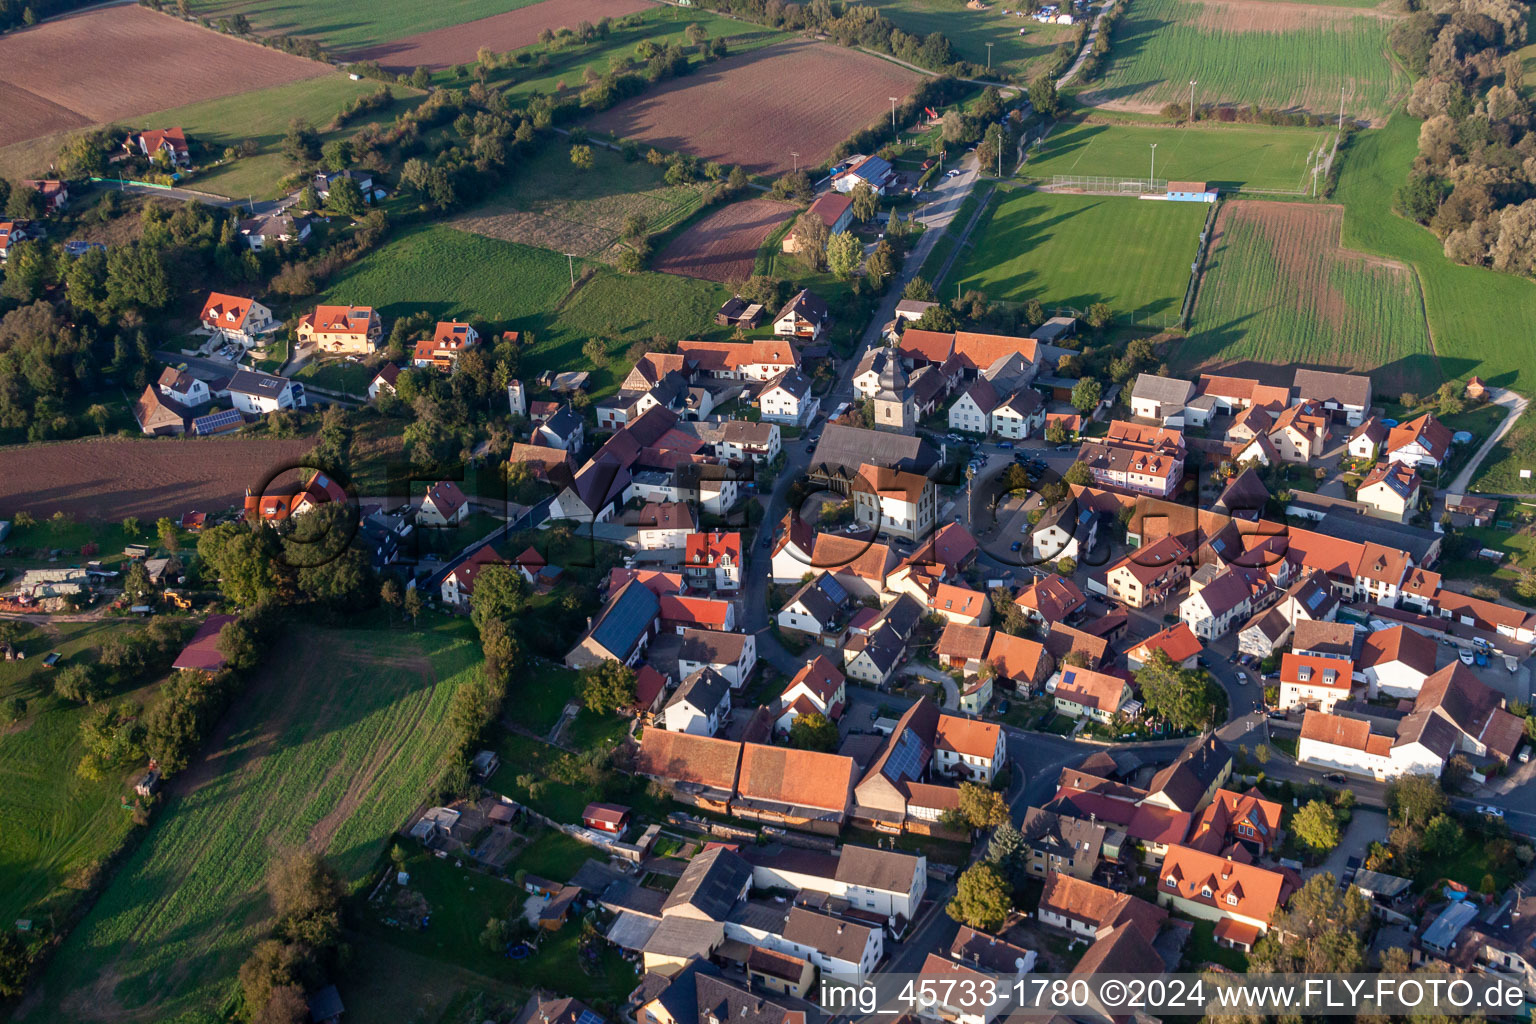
(833, 209)
(273, 229)
(1057, 843)
(1051, 599)
(54, 193)
(1396, 661)
(1160, 398)
(324, 180)
(700, 705)
(1391, 491)
(741, 360)
(682, 612)
(1240, 897)
(172, 142)
(804, 317)
(1365, 441)
(1064, 530)
(459, 583)
(1219, 597)
(621, 631)
(1311, 681)
(236, 318)
(712, 561)
(874, 171)
(441, 351)
(341, 330)
(895, 502)
(1082, 692)
(1345, 396)
(888, 883)
(443, 505)
(1149, 574)
(181, 387)
(1080, 907)
(817, 611)
(1178, 642)
(1234, 820)
(818, 688)
(968, 749)
(733, 655)
(787, 398)
(1422, 442)
(1371, 747)
(745, 441)
(383, 382)
(663, 525)
(256, 394)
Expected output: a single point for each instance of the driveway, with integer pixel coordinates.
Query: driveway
(1367, 825)
(1510, 401)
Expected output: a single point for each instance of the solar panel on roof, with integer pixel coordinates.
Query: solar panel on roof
(906, 760)
(216, 421)
(588, 1017)
(833, 589)
(1315, 598)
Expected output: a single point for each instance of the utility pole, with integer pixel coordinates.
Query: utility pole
(893, 113)
(1341, 108)
(570, 259)
(797, 160)
(1153, 178)
(989, 58)
(1191, 119)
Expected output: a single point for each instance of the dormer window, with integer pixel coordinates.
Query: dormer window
(1173, 883)
(1231, 899)
(1205, 890)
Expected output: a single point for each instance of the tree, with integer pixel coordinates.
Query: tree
(1078, 475)
(1180, 697)
(981, 899)
(982, 807)
(243, 560)
(170, 539)
(1042, 96)
(413, 604)
(1442, 836)
(346, 198)
(494, 937)
(596, 352)
(1448, 399)
(844, 253)
(1086, 394)
(309, 199)
(301, 143)
(1316, 827)
(1099, 314)
(918, 290)
(131, 526)
(865, 202)
(582, 158)
(813, 731)
(1006, 851)
(25, 203)
(239, 644)
(78, 683)
(14, 964)
(500, 592)
(811, 237)
(389, 593)
(1413, 800)
(18, 709)
(607, 686)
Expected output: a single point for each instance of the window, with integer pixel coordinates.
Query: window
(1231, 899)
(1172, 882)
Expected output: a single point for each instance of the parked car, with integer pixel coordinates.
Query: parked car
(1064, 447)
(1002, 707)
(1005, 445)
(1465, 656)
(1015, 546)
(1490, 811)
(1337, 778)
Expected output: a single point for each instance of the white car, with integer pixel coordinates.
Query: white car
(1490, 810)
(951, 173)
(1465, 656)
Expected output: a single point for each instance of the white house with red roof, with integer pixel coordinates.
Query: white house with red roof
(342, 330)
(680, 612)
(170, 141)
(55, 193)
(1422, 442)
(663, 525)
(449, 340)
(1081, 692)
(383, 382)
(1240, 897)
(459, 585)
(442, 505)
(1177, 641)
(1312, 681)
(1396, 662)
(235, 317)
(969, 748)
(530, 563)
(712, 560)
(818, 687)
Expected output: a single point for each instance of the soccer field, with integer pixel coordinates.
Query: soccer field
(1230, 156)
(1074, 250)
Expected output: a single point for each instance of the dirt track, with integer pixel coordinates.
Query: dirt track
(115, 63)
(112, 478)
(723, 245)
(458, 44)
(758, 109)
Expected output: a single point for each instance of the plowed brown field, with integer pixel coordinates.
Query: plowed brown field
(722, 246)
(512, 30)
(113, 63)
(110, 478)
(758, 108)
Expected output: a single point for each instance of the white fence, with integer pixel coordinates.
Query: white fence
(1096, 183)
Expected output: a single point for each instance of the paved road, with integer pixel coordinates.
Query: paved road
(1082, 55)
(1516, 406)
(187, 195)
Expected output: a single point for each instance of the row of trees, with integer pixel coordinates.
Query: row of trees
(305, 945)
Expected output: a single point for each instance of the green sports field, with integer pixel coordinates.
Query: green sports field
(333, 746)
(970, 31)
(1229, 156)
(1074, 250)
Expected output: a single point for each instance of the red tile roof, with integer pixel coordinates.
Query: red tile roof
(966, 736)
(1312, 670)
(1258, 891)
(682, 757)
(1177, 641)
(803, 778)
(202, 652)
(226, 311)
(708, 550)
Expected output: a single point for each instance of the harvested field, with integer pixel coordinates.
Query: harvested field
(723, 245)
(511, 30)
(110, 478)
(119, 62)
(1269, 16)
(755, 108)
(1279, 291)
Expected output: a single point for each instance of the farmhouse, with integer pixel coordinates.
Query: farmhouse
(236, 318)
(804, 317)
(441, 351)
(341, 330)
(1345, 396)
(834, 209)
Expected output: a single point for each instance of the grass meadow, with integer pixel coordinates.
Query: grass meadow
(343, 27)
(1074, 250)
(1481, 322)
(552, 205)
(261, 116)
(455, 273)
(1263, 53)
(1230, 157)
(1278, 292)
(332, 746)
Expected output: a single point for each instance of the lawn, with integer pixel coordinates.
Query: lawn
(338, 375)
(1481, 322)
(261, 116)
(59, 826)
(1274, 55)
(1203, 949)
(341, 28)
(332, 746)
(552, 205)
(971, 31)
(1500, 471)
(1073, 251)
(455, 274)
(1277, 292)
(1252, 158)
